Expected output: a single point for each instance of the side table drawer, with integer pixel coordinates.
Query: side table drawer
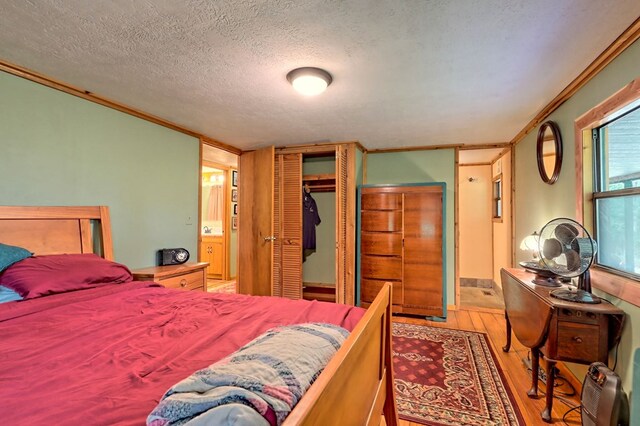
(191, 281)
(578, 341)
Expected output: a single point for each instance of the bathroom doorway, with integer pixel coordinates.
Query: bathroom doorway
(484, 225)
(217, 239)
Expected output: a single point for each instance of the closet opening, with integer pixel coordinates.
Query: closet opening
(319, 226)
(273, 232)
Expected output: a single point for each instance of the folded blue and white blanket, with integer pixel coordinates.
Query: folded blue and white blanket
(270, 374)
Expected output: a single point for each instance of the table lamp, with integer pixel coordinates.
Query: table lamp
(531, 243)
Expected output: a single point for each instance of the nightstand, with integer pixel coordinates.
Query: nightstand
(188, 276)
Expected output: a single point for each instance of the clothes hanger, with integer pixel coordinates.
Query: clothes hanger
(307, 188)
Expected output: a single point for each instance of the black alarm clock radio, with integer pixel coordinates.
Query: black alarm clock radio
(172, 256)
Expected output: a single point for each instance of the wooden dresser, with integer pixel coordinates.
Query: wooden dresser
(557, 329)
(188, 276)
(401, 241)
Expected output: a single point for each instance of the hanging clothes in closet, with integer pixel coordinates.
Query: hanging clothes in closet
(310, 219)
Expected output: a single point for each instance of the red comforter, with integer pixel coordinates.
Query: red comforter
(106, 355)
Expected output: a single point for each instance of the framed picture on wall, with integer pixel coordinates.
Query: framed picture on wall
(234, 178)
(234, 222)
(235, 209)
(234, 196)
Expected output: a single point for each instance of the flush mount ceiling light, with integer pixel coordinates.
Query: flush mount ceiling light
(309, 81)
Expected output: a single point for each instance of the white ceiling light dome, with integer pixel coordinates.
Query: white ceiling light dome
(309, 81)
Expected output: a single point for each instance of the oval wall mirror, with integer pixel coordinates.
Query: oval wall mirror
(549, 152)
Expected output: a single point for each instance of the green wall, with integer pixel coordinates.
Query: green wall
(58, 149)
(421, 167)
(536, 202)
(320, 267)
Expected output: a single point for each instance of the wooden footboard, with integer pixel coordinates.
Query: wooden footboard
(356, 387)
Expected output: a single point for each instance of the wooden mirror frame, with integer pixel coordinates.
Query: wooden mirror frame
(557, 139)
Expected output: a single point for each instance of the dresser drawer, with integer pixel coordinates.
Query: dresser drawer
(381, 221)
(578, 341)
(381, 243)
(191, 281)
(369, 290)
(381, 267)
(381, 201)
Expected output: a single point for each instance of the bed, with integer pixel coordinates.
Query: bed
(106, 354)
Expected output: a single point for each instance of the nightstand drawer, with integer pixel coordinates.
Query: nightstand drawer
(188, 276)
(580, 342)
(192, 281)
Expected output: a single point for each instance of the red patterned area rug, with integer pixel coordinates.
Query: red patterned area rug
(449, 377)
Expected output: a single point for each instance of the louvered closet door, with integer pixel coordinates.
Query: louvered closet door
(287, 264)
(345, 224)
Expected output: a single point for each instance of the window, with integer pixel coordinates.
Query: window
(616, 196)
(497, 198)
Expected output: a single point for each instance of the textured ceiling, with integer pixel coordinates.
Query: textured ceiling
(406, 73)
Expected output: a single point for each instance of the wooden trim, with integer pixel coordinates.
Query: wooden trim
(456, 226)
(579, 185)
(621, 287)
(598, 114)
(619, 45)
(616, 193)
(503, 152)
(221, 145)
(226, 271)
(350, 249)
(364, 168)
(316, 147)
(474, 164)
(27, 74)
(513, 205)
(467, 147)
(412, 148)
(433, 147)
(201, 163)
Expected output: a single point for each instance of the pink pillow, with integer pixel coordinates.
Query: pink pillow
(43, 275)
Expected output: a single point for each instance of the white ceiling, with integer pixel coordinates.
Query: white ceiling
(406, 73)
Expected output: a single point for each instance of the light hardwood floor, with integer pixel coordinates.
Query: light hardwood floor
(492, 323)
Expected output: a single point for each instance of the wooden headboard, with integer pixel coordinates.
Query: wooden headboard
(57, 230)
